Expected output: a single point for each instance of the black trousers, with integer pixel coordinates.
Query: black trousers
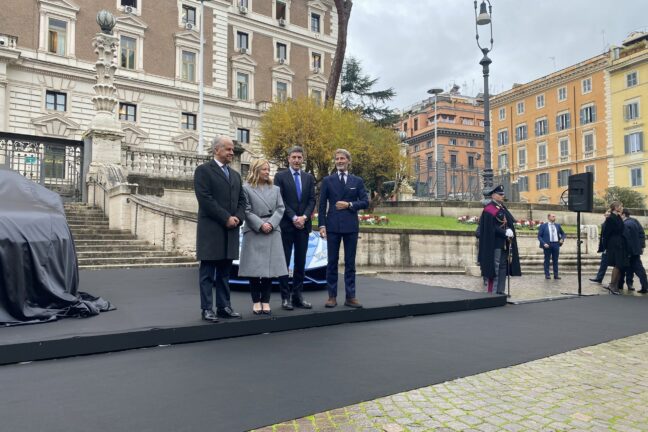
(636, 268)
(260, 289)
(214, 274)
(299, 239)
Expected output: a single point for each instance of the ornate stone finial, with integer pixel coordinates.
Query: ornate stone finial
(106, 21)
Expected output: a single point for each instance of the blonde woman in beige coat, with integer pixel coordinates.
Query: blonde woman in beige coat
(262, 256)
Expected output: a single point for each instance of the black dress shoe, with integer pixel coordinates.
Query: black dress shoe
(630, 288)
(596, 280)
(285, 304)
(227, 312)
(557, 277)
(209, 315)
(643, 291)
(302, 304)
(547, 277)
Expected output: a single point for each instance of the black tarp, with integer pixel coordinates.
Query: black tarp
(39, 273)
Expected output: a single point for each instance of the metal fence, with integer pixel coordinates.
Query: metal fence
(54, 163)
(447, 181)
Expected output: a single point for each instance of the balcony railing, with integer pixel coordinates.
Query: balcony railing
(8, 41)
(161, 164)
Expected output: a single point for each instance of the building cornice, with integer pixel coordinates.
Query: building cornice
(445, 132)
(628, 62)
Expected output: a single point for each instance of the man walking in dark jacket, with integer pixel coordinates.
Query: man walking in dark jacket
(636, 242)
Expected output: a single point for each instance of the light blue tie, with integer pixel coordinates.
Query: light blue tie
(226, 171)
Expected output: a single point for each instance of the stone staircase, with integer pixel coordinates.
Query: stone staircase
(533, 264)
(99, 247)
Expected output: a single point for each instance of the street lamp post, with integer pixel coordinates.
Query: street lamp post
(201, 82)
(435, 92)
(485, 18)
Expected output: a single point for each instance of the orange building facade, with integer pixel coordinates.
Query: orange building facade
(550, 128)
(453, 171)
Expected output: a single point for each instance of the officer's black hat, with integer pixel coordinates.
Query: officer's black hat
(499, 189)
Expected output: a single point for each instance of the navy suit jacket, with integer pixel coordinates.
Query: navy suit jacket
(333, 190)
(294, 207)
(544, 236)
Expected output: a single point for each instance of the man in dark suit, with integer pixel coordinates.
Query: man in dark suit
(298, 194)
(551, 237)
(636, 242)
(344, 194)
(221, 211)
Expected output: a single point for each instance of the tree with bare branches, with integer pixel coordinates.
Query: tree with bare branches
(343, 8)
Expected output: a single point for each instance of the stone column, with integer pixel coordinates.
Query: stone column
(8, 54)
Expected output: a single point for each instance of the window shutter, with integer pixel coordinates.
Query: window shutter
(568, 122)
(582, 116)
(626, 144)
(640, 134)
(626, 112)
(593, 113)
(536, 129)
(557, 123)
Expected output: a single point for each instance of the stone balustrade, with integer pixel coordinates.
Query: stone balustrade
(161, 164)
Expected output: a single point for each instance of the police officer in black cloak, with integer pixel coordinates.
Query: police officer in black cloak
(496, 241)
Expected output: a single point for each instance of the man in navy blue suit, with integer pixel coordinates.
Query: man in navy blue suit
(341, 196)
(551, 237)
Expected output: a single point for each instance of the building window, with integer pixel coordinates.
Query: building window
(57, 36)
(540, 101)
(242, 39)
(242, 85)
(131, 3)
(471, 143)
(588, 114)
(522, 157)
(316, 62)
(562, 94)
(631, 111)
(55, 101)
(588, 144)
(542, 153)
(429, 144)
(520, 107)
(317, 96)
(521, 132)
(282, 91)
(453, 160)
(128, 52)
(502, 113)
(280, 12)
(563, 177)
(430, 161)
(542, 181)
(188, 121)
(563, 147)
(188, 15)
(502, 161)
(631, 79)
(416, 148)
(282, 51)
(54, 163)
(523, 184)
(541, 127)
(188, 66)
(636, 176)
(471, 161)
(591, 169)
(415, 124)
(405, 127)
(502, 137)
(243, 135)
(452, 141)
(315, 23)
(563, 121)
(633, 143)
(586, 85)
(127, 112)
(245, 4)
(417, 164)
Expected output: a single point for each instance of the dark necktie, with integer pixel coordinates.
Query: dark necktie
(298, 185)
(343, 177)
(226, 171)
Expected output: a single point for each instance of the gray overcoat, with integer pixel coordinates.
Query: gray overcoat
(218, 199)
(262, 255)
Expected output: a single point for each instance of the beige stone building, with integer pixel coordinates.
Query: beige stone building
(256, 52)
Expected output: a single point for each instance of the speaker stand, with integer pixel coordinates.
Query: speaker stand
(578, 251)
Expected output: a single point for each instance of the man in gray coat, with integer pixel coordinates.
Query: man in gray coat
(221, 211)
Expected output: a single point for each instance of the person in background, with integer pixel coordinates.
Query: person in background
(262, 252)
(636, 242)
(614, 243)
(604, 262)
(551, 237)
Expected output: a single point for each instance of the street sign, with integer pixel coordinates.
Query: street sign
(31, 160)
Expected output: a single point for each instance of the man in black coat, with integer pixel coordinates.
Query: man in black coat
(636, 242)
(298, 194)
(221, 211)
(496, 241)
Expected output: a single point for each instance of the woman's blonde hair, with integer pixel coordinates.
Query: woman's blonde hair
(615, 205)
(253, 177)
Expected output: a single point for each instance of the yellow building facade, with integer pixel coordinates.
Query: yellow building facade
(628, 114)
(550, 128)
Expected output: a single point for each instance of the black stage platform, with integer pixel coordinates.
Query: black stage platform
(161, 307)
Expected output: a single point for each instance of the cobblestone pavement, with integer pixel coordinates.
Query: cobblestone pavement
(524, 288)
(598, 388)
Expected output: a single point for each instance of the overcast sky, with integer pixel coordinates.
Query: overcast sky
(414, 45)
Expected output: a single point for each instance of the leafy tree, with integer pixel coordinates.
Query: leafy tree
(320, 130)
(357, 94)
(343, 8)
(628, 196)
